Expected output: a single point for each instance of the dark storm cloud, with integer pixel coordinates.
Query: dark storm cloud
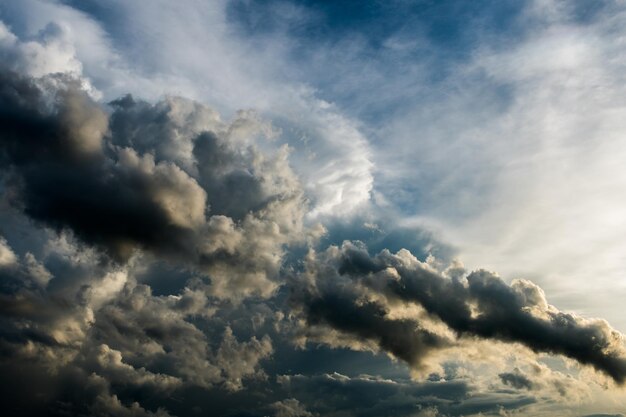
(98, 347)
(169, 178)
(369, 321)
(290, 408)
(156, 333)
(477, 305)
(516, 380)
(70, 392)
(124, 184)
(372, 396)
(173, 130)
(52, 147)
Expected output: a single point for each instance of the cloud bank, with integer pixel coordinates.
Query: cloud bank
(354, 292)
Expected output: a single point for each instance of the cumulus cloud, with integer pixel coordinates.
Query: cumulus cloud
(108, 340)
(516, 379)
(155, 255)
(123, 188)
(109, 363)
(333, 152)
(119, 187)
(156, 333)
(369, 321)
(366, 395)
(479, 304)
(289, 408)
(115, 196)
(47, 53)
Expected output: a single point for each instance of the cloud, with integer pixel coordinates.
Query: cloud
(71, 170)
(156, 333)
(516, 380)
(106, 341)
(109, 363)
(289, 408)
(368, 321)
(479, 304)
(512, 151)
(92, 396)
(366, 395)
(333, 153)
(239, 360)
(68, 168)
(49, 52)
(604, 415)
(154, 253)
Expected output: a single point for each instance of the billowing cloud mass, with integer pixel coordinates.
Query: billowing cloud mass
(122, 187)
(356, 293)
(164, 253)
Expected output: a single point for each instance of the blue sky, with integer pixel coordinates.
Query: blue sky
(252, 138)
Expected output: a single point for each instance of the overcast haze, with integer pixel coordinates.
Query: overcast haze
(298, 208)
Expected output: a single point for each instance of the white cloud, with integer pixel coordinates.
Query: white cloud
(519, 163)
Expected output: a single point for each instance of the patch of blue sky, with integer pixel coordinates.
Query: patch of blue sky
(375, 58)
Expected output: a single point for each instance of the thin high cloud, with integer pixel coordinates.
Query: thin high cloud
(159, 258)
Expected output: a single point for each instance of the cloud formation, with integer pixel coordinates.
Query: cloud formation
(119, 196)
(122, 188)
(137, 182)
(478, 304)
(159, 260)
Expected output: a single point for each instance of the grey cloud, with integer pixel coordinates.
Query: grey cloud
(405, 339)
(61, 175)
(604, 415)
(170, 183)
(478, 305)
(221, 156)
(364, 395)
(516, 380)
(109, 364)
(16, 273)
(289, 408)
(31, 389)
(92, 395)
(110, 343)
(36, 324)
(539, 378)
(157, 333)
(241, 360)
(92, 185)
(199, 192)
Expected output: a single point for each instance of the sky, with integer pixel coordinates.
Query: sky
(298, 208)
